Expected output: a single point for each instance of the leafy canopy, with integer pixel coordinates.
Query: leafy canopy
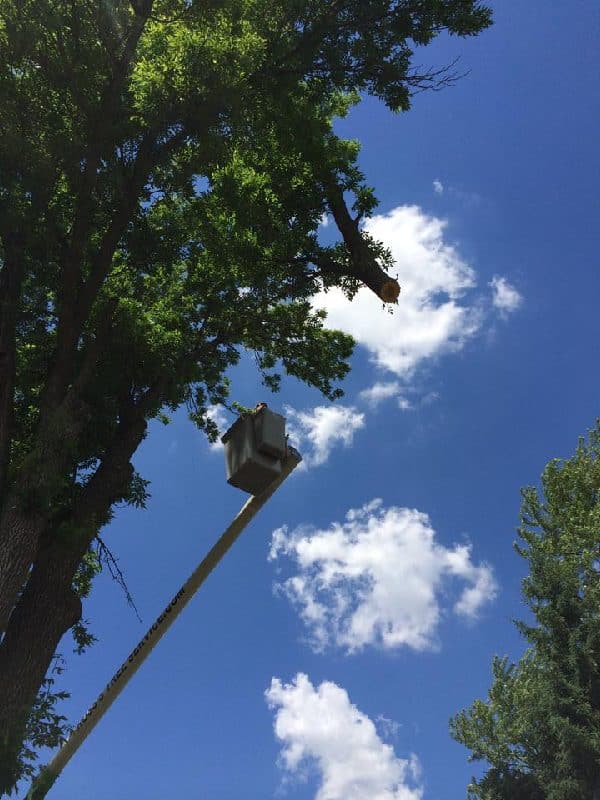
(164, 165)
(539, 730)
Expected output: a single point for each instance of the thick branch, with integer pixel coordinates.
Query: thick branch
(98, 131)
(364, 266)
(83, 221)
(149, 155)
(108, 482)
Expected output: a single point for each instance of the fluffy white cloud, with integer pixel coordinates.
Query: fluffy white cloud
(377, 579)
(504, 296)
(320, 727)
(438, 186)
(430, 318)
(317, 431)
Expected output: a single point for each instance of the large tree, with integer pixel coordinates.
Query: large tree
(163, 168)
(539, 730)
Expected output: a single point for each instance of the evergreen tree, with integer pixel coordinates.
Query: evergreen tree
(539, 730)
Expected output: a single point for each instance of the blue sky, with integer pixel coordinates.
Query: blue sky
(487, 369)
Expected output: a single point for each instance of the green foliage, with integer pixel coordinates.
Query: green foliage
(164, 165)
(200, 133)
(539, 730)
(45, 727)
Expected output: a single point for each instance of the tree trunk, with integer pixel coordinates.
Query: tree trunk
(10, 290)
(48, 606)
(47, 609)
(19, 537)
(39, 480)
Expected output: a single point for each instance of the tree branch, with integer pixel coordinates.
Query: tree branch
(149, 156)
(83, 220)
(101, 262)
(364, 265)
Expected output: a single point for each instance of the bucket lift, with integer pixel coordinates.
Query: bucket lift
(255, 446)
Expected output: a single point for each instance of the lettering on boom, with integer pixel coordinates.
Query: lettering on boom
(130, 659)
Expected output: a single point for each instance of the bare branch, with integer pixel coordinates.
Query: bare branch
(106, 556)
(434, 79)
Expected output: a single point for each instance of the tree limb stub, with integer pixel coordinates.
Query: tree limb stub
(365, 266)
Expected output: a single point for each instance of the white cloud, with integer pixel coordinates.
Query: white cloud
(324, 221)
(430, 318)
(379, 392)
(219, 417)
(483, 589)
(317, 431)
(438, 186)
(321, 728)
(377, 579)
(505, 297)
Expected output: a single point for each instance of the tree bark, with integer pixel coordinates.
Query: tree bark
(46, 610)
(10, 289)
(20, 529)
(19, 536)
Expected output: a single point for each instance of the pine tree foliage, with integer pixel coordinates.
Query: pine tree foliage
(539, 729)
